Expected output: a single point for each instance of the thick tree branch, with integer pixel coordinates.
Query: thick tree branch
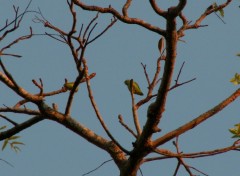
(195, 122)
(125, 7)
(157, 9)
(110, 146)
(20, 91)
(20, 127)
(122, 18)
(175, 11)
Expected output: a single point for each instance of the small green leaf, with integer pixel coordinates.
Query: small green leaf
(232, 130)
(238, 54)
(221, 11)
(16, 149)
(236, 79)
(17, 143)
(215, 5)
(235, 131)
(4, 144)
(3, 127)
(13, 137)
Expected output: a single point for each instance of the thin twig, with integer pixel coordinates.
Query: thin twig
(6, 162)
(177, 169)
(97, 167)
(105, 30)
(88, 26)
(146, 74)
(17, 40)
(8, 74)
(9, 120)
(95, 107)
(71, 94)
(177, 80)
(126, 126)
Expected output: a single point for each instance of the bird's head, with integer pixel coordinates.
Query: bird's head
(127, 82)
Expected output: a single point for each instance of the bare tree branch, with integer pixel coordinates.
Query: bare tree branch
(95, 107)
(122, 18)
(20, 127)
(195, 122)
(134, 111)
(125, 7)
(126, 126)
(9, 120)
(157, 9)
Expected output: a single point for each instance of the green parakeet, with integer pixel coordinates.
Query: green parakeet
(69, 86)
(136, 88)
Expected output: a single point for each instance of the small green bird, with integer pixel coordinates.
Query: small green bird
(135, 87)
(69, 86)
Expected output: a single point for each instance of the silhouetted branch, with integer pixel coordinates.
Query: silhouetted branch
(98, 167)
(177, 84)
(9, 120)
(145, 73)
(16, 41)
(6, 162)
(16, 22)
(105, 30)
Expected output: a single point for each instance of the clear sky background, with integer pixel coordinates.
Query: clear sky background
(209, 54)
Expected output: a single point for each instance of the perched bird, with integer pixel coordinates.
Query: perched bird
(135, 87)
(69, 86)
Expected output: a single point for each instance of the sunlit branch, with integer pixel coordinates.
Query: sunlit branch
(20, 110)
(134, 111)
(125, 7)
(195, 122)
(206, 13)
(122, 18)
(126, 126)
(157, 9)
(20, 127)
(8, 80)
(95, 107)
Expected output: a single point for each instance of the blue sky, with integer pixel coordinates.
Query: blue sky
(209, 54)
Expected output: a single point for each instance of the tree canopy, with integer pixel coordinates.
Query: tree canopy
(63, 69)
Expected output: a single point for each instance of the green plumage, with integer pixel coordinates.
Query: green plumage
(69, 86)
(135, 87)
